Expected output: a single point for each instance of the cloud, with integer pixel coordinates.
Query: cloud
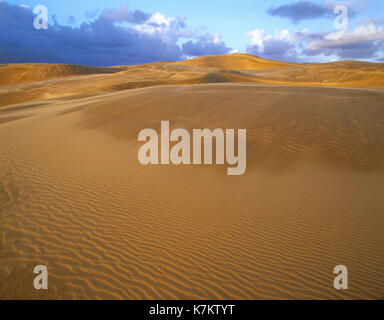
(92, 14)
(364, 42)
(113, 37)
(206, 45)
(280, 46)
(71, 20)
(303, 10)
(181, 21)
(308, 10)
(123, 14)
(166, 29)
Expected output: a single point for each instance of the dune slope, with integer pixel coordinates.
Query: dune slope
(74, 197)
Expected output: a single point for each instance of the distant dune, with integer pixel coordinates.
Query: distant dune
(234, 62)
(74, 197)
(43, 80)
(31, 72)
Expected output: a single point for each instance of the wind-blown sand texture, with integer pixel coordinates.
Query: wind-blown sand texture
(74, 197)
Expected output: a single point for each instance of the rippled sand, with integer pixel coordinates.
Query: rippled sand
(74, 197)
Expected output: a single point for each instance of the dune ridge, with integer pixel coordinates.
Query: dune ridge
(32, 72)
(235, 61)
(44, 81)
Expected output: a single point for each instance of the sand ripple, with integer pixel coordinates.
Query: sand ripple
(74, 198)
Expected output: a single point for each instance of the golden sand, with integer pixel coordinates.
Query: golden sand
(74, 197)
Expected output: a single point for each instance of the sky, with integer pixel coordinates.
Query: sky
(117, 32)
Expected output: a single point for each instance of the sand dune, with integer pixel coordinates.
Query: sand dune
(19, 80)
(337, 74)
(234, 62)
(32, 72)
(74, 197)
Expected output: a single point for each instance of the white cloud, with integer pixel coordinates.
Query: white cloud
(112, 36)
(258, 37)
(341, 38)
(364, 42)
(167, 29)
(280, 46)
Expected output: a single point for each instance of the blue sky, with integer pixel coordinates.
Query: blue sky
(297, 31)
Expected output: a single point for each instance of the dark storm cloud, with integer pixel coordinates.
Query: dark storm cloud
(114, 37)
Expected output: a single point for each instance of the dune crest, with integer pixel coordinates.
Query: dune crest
(235, 61)
(42, 81)
(32, 72)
